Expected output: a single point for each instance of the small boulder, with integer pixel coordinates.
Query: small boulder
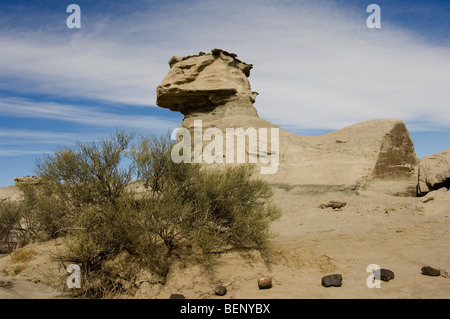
(177, 296)
(220, 290)
(265, 282)
(430, 271)
(334, 280)
(384, 274)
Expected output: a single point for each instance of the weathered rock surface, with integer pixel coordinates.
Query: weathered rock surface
(31, 180)
(434, 195)
(334, 280)
(214, 88)
(205, 81)
(220, 291)
(265, 282)
(384, 274)
(10, 193)
(434, 172)
(430, 271)
(333, 204)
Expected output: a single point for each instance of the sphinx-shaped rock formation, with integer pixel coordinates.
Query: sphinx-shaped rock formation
(204, 82)
(214, 88)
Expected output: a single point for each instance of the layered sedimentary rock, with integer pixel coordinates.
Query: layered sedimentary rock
(203, 82)
(31, 180)
(434, 172)
(214, 88)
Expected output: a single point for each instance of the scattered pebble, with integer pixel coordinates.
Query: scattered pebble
(265, 282)
(334, 280)
(220, 291)
(384, 274)
(430, 271)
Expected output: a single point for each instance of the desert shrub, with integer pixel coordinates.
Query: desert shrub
(87, 186)
(158, 231)
(213, 208)
(185, 208)
(88, 173)
(43, 214)
(224, 206)
(88, 183)
(10, 227)
(19, 222)
(38, 216)
(151, 156)
(231, 208)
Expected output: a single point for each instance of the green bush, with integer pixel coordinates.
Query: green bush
(151, 156)
(35, 217)
(43, 214)
(88, 173)
(225, 206)
(185, 208)
(11, 231)
(231, 208)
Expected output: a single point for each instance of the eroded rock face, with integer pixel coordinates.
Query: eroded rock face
(434, 172)
(204, 81)
(372, 151)
(397, 157)
(214, 88)
(31, 180)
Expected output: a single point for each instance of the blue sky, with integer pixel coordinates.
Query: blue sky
(317, 67)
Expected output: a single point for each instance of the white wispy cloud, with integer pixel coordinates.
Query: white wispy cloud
(316, 65)
(22, 141)
(96, 116)
(17, 137)
(6, 152)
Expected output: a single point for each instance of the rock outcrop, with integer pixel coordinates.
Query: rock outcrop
(214, 88)
(203, 82)
(434, 172)
(31, 180)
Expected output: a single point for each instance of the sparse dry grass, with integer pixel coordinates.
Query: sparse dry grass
(23, 255)
(19, 268)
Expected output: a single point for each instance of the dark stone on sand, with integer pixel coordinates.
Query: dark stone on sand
(430, 271)
(384, 274)
(220, 291)
(265, 282)
(334, 280)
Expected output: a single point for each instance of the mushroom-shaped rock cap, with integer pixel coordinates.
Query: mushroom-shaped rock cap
(204, 81)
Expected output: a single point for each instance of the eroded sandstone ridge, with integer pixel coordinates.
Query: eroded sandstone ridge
(214, 88)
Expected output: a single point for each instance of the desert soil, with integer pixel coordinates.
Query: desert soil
(402, 234)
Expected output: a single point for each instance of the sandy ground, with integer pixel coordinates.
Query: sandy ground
(402, 234)
(22, 289)
(35, 278)
(397, 233)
